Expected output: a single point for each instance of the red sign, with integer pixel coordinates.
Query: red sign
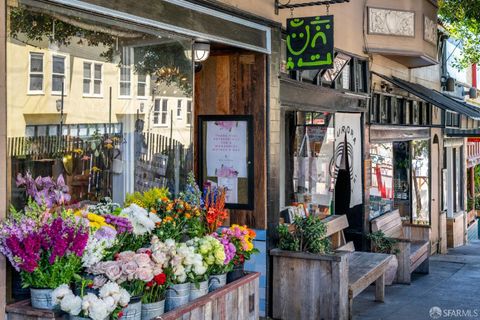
(476, 139)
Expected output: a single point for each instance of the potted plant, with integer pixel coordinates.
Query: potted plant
(153, 300)
(212, 254)
(242, 238)
(46, 255)
(109, 301)
(384, 244)
(218, 273)
(306, 235)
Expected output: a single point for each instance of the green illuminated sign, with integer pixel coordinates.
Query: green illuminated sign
(310, 43)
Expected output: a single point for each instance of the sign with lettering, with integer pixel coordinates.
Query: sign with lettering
(226, 157)
(310, 43)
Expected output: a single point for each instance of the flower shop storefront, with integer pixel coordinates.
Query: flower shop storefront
(101, 103)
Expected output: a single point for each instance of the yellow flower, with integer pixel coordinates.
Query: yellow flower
(95, 218)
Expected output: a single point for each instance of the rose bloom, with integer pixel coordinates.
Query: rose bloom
(125, 256)
(129, 269)
(144, 274)
(112, 270)
(143, 260)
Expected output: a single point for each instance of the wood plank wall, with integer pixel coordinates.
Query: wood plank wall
(233, 83)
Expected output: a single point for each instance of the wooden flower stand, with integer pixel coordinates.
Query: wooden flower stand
(239, 299)
(22, 310)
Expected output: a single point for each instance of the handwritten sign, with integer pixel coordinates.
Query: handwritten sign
(310, 43)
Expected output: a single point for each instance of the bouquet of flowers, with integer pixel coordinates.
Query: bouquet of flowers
(44, 190)
(104, 207)
(109, 301)
(48, 255)
(178, 218)
(230, 251)
(129, 269)
(148, 199)
(242, 238)
(143, 222)
(213, 256)
(214, 203)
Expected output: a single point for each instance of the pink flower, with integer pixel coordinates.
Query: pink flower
(143, 260)
(112, 270)
(144, 274)
(125, 256)
(129, 269)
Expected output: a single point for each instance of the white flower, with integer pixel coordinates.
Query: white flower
(59, 293)
(71, 304)
(142, 221)
(98, 310)
(124, 298)
(110, 289)
(94, 251)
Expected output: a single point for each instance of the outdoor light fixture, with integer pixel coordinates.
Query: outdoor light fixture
(201, 51)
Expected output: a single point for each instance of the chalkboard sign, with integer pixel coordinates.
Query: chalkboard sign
(310, 43)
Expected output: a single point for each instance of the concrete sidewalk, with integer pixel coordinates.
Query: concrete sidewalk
(453, 287)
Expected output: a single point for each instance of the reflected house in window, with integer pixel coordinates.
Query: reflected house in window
(114, 77)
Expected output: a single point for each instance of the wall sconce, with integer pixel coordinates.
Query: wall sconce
(201, 51)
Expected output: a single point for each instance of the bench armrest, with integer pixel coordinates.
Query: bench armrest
(417, 232)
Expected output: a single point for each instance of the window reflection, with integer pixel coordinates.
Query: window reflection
(121, 88)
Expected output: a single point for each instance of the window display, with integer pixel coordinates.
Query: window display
(93, 99)
(381, 190)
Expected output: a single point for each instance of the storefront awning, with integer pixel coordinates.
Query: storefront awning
(434, 97)
(308, 97)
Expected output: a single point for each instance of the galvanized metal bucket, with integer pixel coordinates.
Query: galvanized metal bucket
(177, 295)
(200, 291)
(77, 318)
(152, 310)
(41, 298)
(217, 281)
(133, 311)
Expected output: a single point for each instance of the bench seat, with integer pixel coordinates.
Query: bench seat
(413, 244)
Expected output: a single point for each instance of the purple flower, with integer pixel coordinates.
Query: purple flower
(44, 190)
(105, 233)
(121, 224)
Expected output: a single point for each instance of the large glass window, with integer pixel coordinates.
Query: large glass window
(142, 67)
(309, 151)
(381, 190)
(421, 181)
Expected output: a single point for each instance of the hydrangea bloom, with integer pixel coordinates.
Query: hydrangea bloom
(142, 221)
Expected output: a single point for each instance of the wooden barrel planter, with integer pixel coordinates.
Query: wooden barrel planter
(239, 298)
(309, 286)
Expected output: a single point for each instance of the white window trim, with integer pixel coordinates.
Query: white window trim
(36, 92)
(65, 75)
(147, 87)
(191, 113)
(180, 117)
(120, 96)
(160, 124)
(92, 79)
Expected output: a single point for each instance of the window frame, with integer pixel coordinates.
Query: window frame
(65, 74)
(180, 109)
(91, 93)
(120, 95)
(189, 114)
(144, 97)
(36, 92)
(163, 112)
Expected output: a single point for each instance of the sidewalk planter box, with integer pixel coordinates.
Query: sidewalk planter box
(23, 310)
(309, 286)
(455, 230)
(239, 298)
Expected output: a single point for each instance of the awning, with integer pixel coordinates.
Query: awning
(434, 97)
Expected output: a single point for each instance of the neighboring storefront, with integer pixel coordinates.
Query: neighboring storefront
(322, 121)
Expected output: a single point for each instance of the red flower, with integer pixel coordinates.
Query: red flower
(149, 284)
(120, 314)
(160, 279)
(149, 252)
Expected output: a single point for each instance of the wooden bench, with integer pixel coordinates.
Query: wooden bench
(364, 268)
(413, 244)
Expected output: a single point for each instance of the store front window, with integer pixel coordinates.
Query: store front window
(92, 99)
(400, 178)
(310, 148)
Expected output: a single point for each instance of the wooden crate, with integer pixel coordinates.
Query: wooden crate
(237, 300)
(22, 310)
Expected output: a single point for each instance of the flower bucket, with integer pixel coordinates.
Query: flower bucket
(177, 295)
(41, 298)
(152, 310)
(235, 274)
(134, 309)
(217, 281)
(200, 291)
